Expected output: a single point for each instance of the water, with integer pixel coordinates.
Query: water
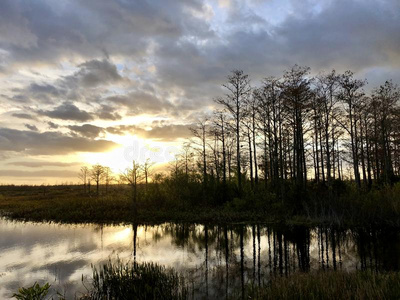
(216, 260)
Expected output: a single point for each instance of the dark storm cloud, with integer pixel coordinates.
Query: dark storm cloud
(49, 143)
(67, 111)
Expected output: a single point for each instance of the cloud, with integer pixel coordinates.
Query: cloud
(49, 31)
(87, 130)
(92, 74)
(140, 102)
(37, 92)
(95, 72)
(92, 78)
(67, 111)
(40, 164)
(43, 92)
(161, 132)
(123, 129)
(23, 116)
(53, 125)
(114, 60)
(49, 143)
(347, 34)
(177, 35)
(41, 173)
(31, 127)
(189, 47)
(106, 112)
(168, 132)
(340, 34)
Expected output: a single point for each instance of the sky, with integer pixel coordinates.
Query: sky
(108, 81)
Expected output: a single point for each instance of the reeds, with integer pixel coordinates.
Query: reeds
(333, 285)
(118, 280)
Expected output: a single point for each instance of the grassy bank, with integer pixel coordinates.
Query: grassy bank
(74, 207)
(344, 206)
(331, 285)
(117, 280)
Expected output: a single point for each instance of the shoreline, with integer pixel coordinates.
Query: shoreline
(216, 217)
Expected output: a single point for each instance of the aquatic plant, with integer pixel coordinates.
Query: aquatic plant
(333, 285)
(118, 280)
(35, 292)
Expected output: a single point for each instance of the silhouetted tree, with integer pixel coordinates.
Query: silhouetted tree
(239, 90)
(133, 176)
(83, 176)
(297, 95)
(351, 95)
(97, 174)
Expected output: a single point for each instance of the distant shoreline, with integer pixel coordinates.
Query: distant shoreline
(68, 205)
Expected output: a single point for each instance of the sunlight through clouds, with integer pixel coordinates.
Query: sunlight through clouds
(66, 75)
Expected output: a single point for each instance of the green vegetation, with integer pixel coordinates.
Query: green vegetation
(117, 280)
(295, 149)
(143, 280)
(174, 200)
(331, 285)
(150, 281)
(35, 292)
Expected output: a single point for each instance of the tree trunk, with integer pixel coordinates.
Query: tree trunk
(250, 158)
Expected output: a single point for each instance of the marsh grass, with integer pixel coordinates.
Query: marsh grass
(335, 285)
(62, 204)
(340, 206)
(118, 280)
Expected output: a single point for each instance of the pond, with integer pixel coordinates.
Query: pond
(216, 259)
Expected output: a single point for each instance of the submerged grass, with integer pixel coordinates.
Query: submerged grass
(333, 285)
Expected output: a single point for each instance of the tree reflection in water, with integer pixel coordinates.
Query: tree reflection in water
(219, 261)
(238, 255)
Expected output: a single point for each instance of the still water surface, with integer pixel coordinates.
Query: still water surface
(216, 260)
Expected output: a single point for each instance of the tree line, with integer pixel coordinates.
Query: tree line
(301, 128)
(287, 133)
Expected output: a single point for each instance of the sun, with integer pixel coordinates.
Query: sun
(132, 148)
